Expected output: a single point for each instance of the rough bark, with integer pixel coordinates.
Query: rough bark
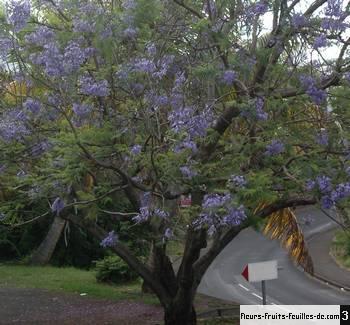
(180, 314)
(43, 253)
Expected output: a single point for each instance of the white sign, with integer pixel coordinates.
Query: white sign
(255, 272)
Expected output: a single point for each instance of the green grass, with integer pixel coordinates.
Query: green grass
(70, 280)
(340, 248)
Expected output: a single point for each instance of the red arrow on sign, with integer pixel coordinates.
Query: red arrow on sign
(245, 273)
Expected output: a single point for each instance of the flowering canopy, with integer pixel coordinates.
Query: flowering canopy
(163, 98)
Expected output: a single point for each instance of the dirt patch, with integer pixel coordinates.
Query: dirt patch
(34, 306)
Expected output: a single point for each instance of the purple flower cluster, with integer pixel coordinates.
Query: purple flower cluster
(256, 9)
(259, 107)
(13, 125)
(320, 41)
(187, 172)
(58, 64)
(299, 21)
(41, 36)
(18, 13)
(228, 77)
(32, 105)
(318, 96)
(143, 215)
(219, 212)
(57, 206)
(6, 46)
(274, 148)
(237, 181)
(88, 86)
(235, 216)
(168, 234)
(324, 183)
(75, 56)
(213, 201)
(110, 241)
(81, 25)
(334, 8)
(136, 149)
(334, 25)
(82, 110)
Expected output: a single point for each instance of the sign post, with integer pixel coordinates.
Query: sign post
(262, 271)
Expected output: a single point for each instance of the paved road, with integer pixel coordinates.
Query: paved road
(293, 287)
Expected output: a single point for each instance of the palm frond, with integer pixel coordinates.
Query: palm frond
(283, 225)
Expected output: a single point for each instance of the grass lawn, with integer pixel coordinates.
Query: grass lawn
(70, 280)
(340, 249)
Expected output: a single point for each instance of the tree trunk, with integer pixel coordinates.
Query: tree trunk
(181, 314)
(43, 253)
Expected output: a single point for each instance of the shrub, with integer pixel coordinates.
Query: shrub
(113, 269)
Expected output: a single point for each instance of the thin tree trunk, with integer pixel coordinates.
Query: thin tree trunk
(43, 253)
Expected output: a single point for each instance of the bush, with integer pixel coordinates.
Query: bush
(114, 269)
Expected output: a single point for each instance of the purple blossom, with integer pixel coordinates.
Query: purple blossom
(81, 25)
(259, 106)
(144, 65)
(136, 149)
(74, 56)
(341, 191)
(6, 46)
(57, 206)
(151, 49)
(110, 241)
(258, 9)
(168, 234)
(318, 96)
(82, 110)
(32, 105)
(327, 202)
(143, 215)
(88, 86)
(237, 181)
(334, 25)
(214, 200)
(334, 8)
(51, 59)
(160, 213)
(13, 125)
(41, 36)
(310, 185)
(320, 41)
(299, 20)
(186, 144)
(229, 77)
(324, 183)
(322, 138)
(130, 32)
(187, 172)
(18, 13)
(274, 148)
(235, 216)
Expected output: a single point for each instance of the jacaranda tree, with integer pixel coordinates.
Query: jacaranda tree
(232, 102)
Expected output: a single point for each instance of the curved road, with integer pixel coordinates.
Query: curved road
(293, 286)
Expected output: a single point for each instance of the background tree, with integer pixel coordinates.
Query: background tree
(158, 99)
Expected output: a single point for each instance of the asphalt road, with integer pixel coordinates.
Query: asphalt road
(293, 286)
